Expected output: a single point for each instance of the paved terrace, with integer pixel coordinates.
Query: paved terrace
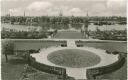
(77, 73)
(55, 39)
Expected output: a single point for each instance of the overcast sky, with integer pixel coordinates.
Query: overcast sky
(67, 7)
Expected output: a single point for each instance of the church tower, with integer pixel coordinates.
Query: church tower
(60, 13)
(24, 14)
(85, 27)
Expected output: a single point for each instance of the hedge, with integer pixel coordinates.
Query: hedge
(80, 45)
(47, 68)
(93, 72)
(63, 45)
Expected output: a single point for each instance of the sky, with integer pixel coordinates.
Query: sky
(66, 7)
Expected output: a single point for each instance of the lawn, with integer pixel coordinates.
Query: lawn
(34, 44)
(74, 58)
(14, 68)
(68, 35)
(120, 74)
(111, 46)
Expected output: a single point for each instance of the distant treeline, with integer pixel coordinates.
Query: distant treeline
(39, 21)
(109, 35)
(32, 34)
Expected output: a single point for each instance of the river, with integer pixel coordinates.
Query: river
(91, 27)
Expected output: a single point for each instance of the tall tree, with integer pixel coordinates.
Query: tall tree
(7, 49)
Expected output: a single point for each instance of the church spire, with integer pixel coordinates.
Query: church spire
(60, 13)
(87, 14)
(24, 14)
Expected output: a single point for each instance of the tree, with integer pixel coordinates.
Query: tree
(7, 49)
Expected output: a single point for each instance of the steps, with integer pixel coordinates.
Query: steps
(77, 73)
(71, 43)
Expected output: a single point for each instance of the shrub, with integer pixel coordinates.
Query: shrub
(7, 48)
(108, 52)
(47, 68)
(63, 45)
(93, 72)
(34, 51)
(115, 52)
(79, 45)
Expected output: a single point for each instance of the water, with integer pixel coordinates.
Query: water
(107, 27)
(19, 27)
(91, 27)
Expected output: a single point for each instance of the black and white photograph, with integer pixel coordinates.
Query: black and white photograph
(63, 39)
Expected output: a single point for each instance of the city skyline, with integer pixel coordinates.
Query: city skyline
(68, 7)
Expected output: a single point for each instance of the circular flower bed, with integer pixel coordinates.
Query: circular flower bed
(74, 58)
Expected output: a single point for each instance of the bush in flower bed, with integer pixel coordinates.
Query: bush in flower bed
(80, 45)
(115, 52)
(92, 73)
(63, 45)
(79, 42)
(47, 68)
(34, 51)
(108, 52)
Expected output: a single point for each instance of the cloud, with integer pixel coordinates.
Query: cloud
(75, 10)
(97, 9)
(116, 3)
(110, 7)
(16, 11)
(12, 0)
(55, 10)
(39, 5)
(48, 8)
(13, 10)
(117, 7)
(71, 7)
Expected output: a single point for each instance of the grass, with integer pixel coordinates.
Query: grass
(68, 35)
(120, 74)
(111, 46)
(74, 58)
(34, 44)
(13, 69)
